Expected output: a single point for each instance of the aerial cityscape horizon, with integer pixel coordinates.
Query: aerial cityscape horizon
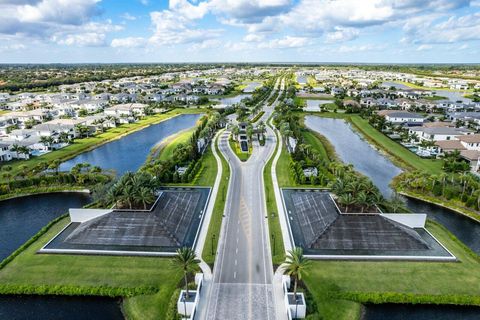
(239, 159)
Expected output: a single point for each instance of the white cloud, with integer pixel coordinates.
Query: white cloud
(342, 34)
(188, 10)
(128, 16)
(424, 47)
(207, 44)
(359, 48)
(287, 42)
(66, 22)
(58, 11)
(452, 30)
(171, 27)
(252, 37)
(249, 11)
(129, 42)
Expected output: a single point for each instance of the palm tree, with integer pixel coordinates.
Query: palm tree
(186, 259)
(296, 266)
(346, 200)
(54, 165)
(64, 137)
(362, 199)
(46, 141)
(235, 131)
(144, 195)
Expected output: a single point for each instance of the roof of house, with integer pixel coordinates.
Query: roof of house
(450, 145)
(442, 130)
(472, 155)
(471, 138)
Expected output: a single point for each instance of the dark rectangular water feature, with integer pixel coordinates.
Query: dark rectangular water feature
(351, 148)
(392, 311)
(21, 218)
(59, 307)
(172, 223)
(129, 152)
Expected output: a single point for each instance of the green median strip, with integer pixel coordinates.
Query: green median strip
(275, 230)
(211, 242)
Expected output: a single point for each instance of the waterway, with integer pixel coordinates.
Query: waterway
(129, 152)
(352, 148)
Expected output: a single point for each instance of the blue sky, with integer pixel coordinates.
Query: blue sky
(376, 31)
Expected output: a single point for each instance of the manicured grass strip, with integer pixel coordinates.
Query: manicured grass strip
(41, 189)
(218, 210)
(86, 144)
(30, 272)
(314, 140)
(180, 138)
(257, 117)
(333, 283)
(284, 177)
(243, 156)
(278, 253)
(402, 154)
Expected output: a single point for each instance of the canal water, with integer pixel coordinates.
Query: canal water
(233, 100)
(351, 148)
(420, 312)
(129, 152)
(21, 218)
(59, 307)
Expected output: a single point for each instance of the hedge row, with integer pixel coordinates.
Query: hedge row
(70, 290)
(409, 298)
(258, 116)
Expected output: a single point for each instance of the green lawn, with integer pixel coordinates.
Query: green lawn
(243, 156)
(278, 255)
(414, 86)
(217, 214)
(172, 143)
(335, 285)
(433, 98)
(85, 144)
(52, 271)
(404, 157)
(284, 177)
(312, 139)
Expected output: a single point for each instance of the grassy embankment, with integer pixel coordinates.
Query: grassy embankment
(400, 155)
(339, 287)
(278, 252)
(218, 209)
(86, 144)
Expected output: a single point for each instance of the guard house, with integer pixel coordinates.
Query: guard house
(242, 136)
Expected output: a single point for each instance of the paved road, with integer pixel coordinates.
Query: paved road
(242, 284)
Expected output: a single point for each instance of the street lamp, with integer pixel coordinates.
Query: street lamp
(213, 240)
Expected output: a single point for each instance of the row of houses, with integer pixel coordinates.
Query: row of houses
(58, 131)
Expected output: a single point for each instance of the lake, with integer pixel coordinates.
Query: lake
(129, 152)
(21, 218)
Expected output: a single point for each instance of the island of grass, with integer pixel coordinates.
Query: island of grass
(235, 145)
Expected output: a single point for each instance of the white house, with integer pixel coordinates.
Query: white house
(401, 117)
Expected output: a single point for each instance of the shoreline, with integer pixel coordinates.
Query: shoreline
(446, 206)
(21, 195)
